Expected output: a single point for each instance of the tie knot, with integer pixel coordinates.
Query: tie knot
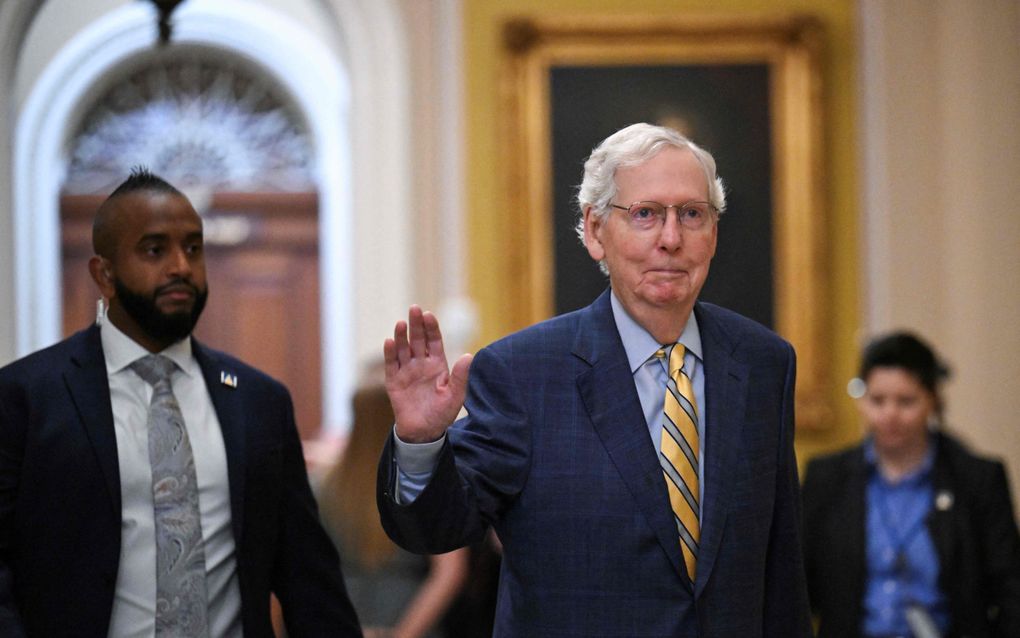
(154, 368)
(674, 353)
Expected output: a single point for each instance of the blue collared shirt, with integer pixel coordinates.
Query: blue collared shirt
(903, 566)
(650, 376)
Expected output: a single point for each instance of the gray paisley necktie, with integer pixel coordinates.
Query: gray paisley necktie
(181, 600)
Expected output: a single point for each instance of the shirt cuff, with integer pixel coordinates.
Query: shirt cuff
(417, 458)
(415, 464)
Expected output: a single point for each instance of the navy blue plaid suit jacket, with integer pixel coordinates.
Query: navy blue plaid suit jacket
(555, 455)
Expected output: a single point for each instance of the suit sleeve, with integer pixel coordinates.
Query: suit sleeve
(10, 468)
(306, 574)
(481, 469)
(786, 610)
(1000, 543)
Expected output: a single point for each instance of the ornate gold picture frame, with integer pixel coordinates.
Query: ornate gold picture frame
(788, 51)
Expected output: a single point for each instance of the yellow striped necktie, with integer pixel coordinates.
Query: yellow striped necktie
(679, 455)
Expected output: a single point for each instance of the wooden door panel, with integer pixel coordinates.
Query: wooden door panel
(265, 304)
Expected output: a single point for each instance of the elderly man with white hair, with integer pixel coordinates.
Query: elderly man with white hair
(634, 457)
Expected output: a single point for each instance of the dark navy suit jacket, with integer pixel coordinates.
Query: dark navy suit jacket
(60, 506)
(555, 454)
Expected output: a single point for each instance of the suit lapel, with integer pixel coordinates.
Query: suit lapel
(89, 386)
(854, 512)
(726, 384)
(227, 400)
(607, 390)
(944, 510)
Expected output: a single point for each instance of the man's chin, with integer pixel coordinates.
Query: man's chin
(172, 328)
(171, 309)
(167, 317)
(669, 295)
(171, 323)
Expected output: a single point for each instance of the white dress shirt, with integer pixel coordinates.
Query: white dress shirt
(134, 605)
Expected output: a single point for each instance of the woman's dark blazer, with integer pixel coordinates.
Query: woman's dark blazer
(971, 524)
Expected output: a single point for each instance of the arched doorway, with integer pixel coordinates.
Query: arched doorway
(221, 130)
(308, 72)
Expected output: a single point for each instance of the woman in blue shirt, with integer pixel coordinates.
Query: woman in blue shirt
(909, 533)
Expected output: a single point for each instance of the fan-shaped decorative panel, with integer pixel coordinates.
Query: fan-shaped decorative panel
(199, 118)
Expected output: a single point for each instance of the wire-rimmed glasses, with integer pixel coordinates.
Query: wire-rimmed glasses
(647, 215)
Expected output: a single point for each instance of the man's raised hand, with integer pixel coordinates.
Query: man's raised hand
(425, 393)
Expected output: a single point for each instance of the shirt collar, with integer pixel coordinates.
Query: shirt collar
(921, 473)
(120, 350)
(640, 345)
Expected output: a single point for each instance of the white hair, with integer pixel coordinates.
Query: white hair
(631, 146)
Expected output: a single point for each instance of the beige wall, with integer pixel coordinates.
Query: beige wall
(940, 250)
(14, 17)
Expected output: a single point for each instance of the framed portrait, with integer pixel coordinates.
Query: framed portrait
(746, 88)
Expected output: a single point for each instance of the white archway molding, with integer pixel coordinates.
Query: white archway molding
(376, 55)
(372, 128)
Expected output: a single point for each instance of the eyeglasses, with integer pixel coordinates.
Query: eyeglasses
(652, 215)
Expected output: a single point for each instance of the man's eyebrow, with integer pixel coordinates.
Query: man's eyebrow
(153, 237)
(197, 234)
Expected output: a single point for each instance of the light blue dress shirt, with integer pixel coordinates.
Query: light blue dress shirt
(650, 375)
(417, 461)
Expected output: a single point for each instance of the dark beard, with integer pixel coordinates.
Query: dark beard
(162, 327)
